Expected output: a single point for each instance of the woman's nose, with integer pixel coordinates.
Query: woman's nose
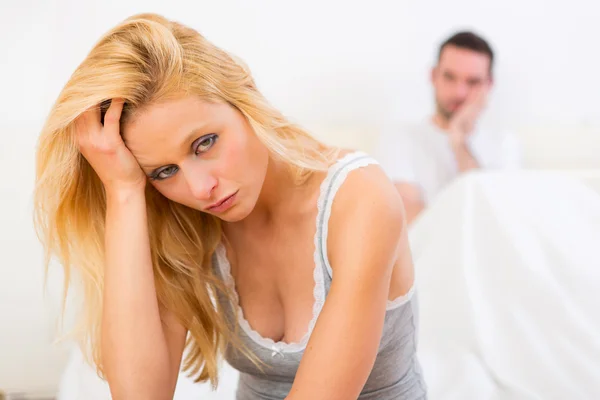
(201, 183)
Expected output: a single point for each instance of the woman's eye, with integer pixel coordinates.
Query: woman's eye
(205, 143)
(164, 173)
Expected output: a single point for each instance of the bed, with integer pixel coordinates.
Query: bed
(509, 277)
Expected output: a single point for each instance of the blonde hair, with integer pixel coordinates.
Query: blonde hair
(144, 60)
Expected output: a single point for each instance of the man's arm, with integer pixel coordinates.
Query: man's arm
(464, 158)
(412, 197)
(461, 127)
(395, 153)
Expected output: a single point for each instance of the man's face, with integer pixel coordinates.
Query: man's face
(459, 73)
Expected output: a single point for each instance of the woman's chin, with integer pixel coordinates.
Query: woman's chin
(234, 214)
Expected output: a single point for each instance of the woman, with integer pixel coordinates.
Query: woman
(191, 207)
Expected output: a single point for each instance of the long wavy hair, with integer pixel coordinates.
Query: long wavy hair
(147, 59)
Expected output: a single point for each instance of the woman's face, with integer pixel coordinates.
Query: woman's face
(200, 154)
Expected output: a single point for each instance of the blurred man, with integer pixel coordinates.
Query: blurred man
(423, 158)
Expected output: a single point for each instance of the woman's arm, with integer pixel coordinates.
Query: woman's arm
(365, 233)
(141, 349)
(141, 346)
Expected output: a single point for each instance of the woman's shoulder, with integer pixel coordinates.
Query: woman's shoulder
(367, 214)
(361, 170)
(364, 185)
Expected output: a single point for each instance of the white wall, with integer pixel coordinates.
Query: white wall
(27, 357)
(341, 68)
(352, 62)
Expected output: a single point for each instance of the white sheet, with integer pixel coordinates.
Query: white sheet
(509, 281)
(508, 270)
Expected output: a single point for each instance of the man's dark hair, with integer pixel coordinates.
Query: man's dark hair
(470, 41)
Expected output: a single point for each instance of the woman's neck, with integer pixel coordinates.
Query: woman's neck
(280, 194)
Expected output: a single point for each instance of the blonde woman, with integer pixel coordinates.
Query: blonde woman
(189, 207)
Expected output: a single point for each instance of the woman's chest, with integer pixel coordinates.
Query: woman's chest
(273, 274)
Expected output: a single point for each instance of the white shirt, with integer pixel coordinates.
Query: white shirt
(421, 154)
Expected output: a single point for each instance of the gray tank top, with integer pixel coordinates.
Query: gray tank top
(396, 373)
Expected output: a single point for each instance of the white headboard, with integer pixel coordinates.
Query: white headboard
(561, 146)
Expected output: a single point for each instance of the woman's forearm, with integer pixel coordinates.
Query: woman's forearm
(134, 348)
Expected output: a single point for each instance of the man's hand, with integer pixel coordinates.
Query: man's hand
(462, 123)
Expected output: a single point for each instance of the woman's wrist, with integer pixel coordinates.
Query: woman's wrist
(125, 194)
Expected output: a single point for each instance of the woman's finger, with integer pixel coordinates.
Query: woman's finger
(91, 118)
(113, 116)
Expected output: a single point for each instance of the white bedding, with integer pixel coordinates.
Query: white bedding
(508, 271)
(509, 283)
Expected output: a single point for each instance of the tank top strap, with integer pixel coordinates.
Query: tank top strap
(329, 187)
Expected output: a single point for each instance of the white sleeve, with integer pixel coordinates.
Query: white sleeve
(394, 152)
(511, 155)
(501, 151)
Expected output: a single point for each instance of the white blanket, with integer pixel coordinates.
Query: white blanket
(508, 271)
(509, 281)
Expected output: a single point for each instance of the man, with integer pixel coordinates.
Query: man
(423, 158)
